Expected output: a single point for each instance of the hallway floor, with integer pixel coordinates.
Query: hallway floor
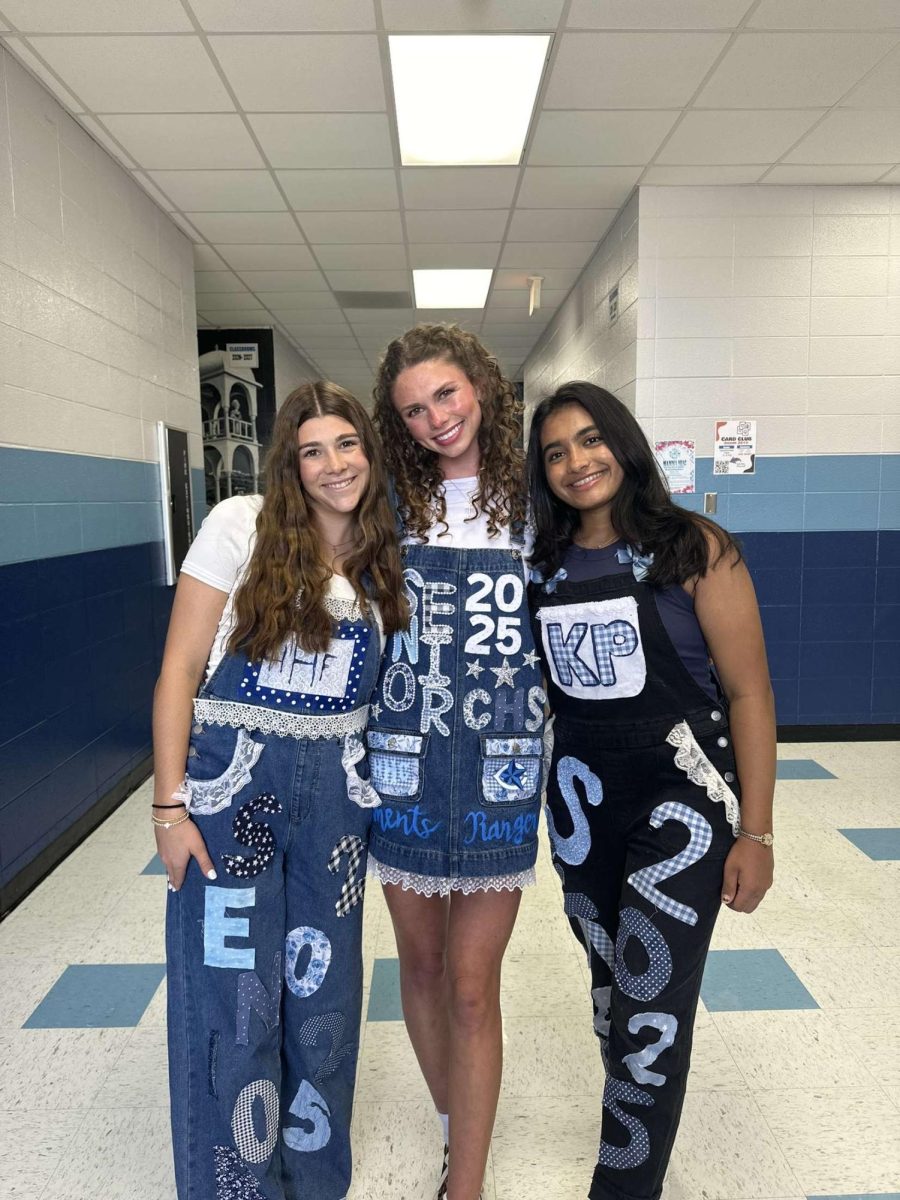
(794, 1093)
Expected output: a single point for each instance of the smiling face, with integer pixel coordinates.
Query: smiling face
(334, 470)
(581, 469)
(439, 407)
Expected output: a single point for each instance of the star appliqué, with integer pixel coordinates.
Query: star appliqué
(511, 776)
(505, 674)
(474, 668)
(375, 710)
(531, 659)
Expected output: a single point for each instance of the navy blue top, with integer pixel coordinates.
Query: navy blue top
(676, 608)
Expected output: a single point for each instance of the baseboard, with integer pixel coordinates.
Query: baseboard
(838, 733)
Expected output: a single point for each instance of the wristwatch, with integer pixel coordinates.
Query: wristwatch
(764, 839)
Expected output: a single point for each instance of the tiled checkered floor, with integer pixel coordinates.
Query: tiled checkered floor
(794, 1095)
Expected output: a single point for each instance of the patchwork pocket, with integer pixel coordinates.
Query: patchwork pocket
(511, 768)
(395, 762)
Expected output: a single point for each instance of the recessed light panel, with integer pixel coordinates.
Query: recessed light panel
(451, 289)
(465, 100)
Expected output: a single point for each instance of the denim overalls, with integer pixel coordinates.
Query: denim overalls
(265, 967)
(642, 807)
(455, 736)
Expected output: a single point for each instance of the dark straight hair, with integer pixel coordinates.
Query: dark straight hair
(683, 544)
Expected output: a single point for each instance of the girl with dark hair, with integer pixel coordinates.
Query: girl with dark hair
(659, 802)
(263, 833)
(455, 743)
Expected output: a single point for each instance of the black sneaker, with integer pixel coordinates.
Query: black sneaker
(445, 1167)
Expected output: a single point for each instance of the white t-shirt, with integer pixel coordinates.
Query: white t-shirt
(462, 534)
(219, 554)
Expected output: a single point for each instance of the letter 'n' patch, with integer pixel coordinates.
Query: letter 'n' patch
(594, 648)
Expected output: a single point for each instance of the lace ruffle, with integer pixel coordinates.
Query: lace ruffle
(209, 796)
(284, 724)
(690, 758)
(442, 885)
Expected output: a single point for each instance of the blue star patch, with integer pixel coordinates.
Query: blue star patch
(511, 776)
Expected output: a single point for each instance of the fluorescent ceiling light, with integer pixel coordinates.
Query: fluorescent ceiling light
(465, 100)
(451, 289)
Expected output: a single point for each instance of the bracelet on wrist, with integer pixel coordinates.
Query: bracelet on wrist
(180, 804)
(162, 824)
(763, 839)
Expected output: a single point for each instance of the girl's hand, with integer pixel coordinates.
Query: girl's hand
(176, 846)
(748, 875)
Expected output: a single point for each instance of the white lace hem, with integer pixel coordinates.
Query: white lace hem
(273, 720)
(689, 757)
(442, 885)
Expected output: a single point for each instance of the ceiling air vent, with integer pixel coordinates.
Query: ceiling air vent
(374, 299)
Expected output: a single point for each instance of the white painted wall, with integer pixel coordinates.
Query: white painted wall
(291, 368)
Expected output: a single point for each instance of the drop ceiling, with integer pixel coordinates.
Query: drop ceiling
(267, 130)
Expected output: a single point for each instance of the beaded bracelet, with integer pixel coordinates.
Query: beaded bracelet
(160, 824)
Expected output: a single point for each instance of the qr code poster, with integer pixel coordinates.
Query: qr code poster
(735, 449)
(677, 460)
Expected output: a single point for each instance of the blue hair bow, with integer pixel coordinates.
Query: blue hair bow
(550, 585)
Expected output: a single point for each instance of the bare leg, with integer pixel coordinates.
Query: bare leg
(420, 927)
(479, 930)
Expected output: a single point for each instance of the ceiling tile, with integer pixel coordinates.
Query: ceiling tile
(315, 316)
(352, 227)
(560, 224)
(790, 70)
(639, 70)
(554, 278)
(23, 52)
(206, 259)
(361, 257)
(717, 175)
(453, 254)
(517, 298)
(880, 88)
(243, 320)
(736, 137)
(656, 14)
(217, 281)
(226, 301)
(97, 131)
(453, 225)
(220, 191)
(100, 16)
(851, 136)
(384, 318)
(795, 173)
(267, 258)
(368, 281)
(892, 176)
(468, 187)
(548, 254)
(598, 138)
(577, 187)
(304, 302)
(319, 72)
(316, 327)
(246, 227)
(275, 282)
(826, 14)
(344, 190)
(185, 141)
(283, 16)
(137, 74)
(461, 16)
(324, 139)
(152, 191)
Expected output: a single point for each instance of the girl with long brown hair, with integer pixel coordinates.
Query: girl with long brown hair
(455, 740)
(262, 807)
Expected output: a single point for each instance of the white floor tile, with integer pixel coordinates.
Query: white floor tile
(122, 1154)
(31, 1146)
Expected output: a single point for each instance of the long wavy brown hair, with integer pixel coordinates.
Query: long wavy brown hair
(283, 591)
(414, 469)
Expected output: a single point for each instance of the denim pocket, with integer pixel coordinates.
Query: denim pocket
(395, 762)
(511, 768)
(232, 758)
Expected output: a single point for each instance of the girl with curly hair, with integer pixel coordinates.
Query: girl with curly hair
(659, 801)
(260, 814)
(456, 737)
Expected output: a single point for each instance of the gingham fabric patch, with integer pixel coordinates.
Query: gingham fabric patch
(645, 880)
(354, 888)
(250, 1148)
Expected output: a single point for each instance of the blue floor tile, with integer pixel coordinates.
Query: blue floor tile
(881, 845)
(744, 980)
(154, 866)
(384, 997)
(801, 768)
(98, 997)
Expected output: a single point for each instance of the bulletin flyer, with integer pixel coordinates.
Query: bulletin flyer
(735, 448)
(677, 459)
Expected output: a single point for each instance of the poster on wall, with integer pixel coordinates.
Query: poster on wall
(735, 448)
(677, 458)
(237, 398)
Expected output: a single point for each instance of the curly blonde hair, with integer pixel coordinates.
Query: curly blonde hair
(414, 469)
(283, 590)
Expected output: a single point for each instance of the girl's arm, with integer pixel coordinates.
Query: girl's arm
(726, 608)
(192, 629)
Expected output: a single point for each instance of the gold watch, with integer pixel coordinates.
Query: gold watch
(764, 839)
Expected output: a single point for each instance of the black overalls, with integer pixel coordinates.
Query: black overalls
(642, 804)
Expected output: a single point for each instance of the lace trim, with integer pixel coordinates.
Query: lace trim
(340, 609)
(690, 758)
(273, 720)
(209, 796)
(441, 885)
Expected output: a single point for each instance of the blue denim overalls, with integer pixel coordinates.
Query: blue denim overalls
(642, 806)
(455, 736)
(265, 966)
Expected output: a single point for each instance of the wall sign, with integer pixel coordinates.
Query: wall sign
(677, 458)
(735, 448)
